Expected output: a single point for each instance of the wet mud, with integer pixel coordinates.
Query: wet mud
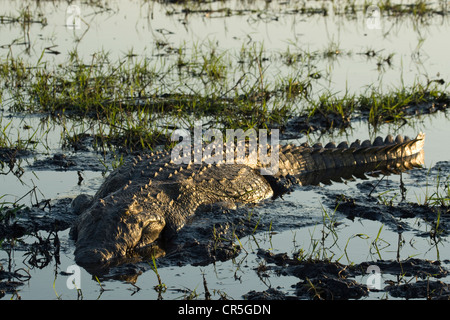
(46, 216)
(326, 280)
(326, 121)
(35, 232)
(88, 161)
(363, 204)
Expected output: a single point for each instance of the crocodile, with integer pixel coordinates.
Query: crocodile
(150, 197)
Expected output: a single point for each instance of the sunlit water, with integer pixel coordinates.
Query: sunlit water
(420, 52)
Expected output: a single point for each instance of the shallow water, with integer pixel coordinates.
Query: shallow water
(122, 27)
(419, 53)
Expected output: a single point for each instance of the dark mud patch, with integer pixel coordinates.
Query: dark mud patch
(397, 214)
(11, 154)
(9, 160)
(320, 120)
(269, 294)
(297, 126)
(327, 280)
(395, 217)
(211, 235)
(11, 281)
(214, 233)
(58, 161)
(83, 161)
(434, 290)
(9, 287)
(46, 216)
(417, 268)
(35, 232)
(321, 280)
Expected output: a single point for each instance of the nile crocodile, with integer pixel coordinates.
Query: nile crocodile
(150, 197)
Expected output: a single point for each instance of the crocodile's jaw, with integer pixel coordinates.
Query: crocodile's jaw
(97, 255)
(92, 256)
(125, 232)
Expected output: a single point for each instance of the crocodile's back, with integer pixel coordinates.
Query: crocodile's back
(155, 173)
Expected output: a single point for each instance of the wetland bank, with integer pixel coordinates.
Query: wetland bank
(82, 93)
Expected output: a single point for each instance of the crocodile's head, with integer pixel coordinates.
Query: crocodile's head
(111, 228)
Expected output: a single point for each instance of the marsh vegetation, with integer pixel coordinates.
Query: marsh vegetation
(75, 102)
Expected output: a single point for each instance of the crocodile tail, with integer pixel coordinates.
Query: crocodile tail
(386, 153)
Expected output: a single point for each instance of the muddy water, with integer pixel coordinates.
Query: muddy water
(419, 52)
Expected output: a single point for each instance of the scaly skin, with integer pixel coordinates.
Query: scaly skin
(151, 197)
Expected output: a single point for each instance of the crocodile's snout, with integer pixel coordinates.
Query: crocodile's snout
(105, 233)
(92, 256)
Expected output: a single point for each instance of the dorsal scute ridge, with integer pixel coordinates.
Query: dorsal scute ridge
(293, 158)
(343, 155)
